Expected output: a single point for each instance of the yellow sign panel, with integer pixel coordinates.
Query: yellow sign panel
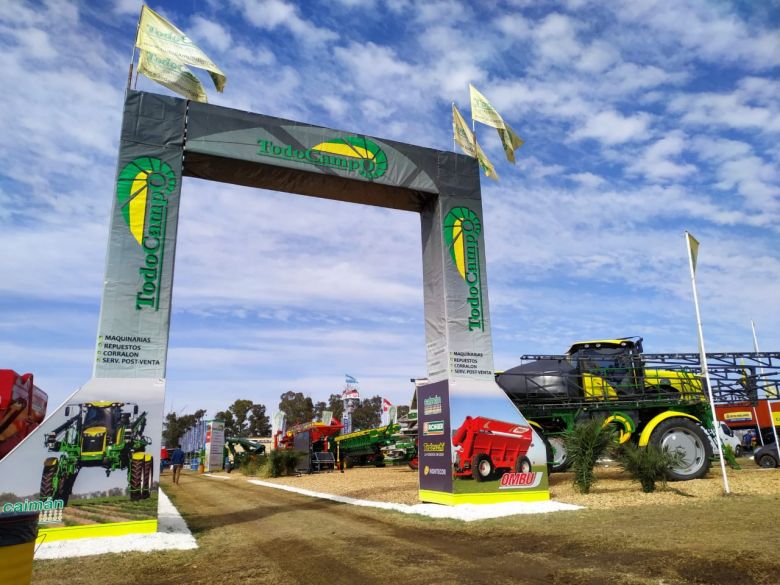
(739, 415)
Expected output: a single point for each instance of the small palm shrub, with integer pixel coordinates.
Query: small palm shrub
(585, 443)
(730, 458)
(648, 465)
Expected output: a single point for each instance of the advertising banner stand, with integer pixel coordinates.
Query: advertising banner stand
(468, 420)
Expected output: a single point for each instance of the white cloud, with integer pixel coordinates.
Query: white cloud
(587, 179)
(555, 39)
(749, 107)
(598, 57)
(611, 127)
(658, 160)
(212, 32)
(123, 7)
(272, 14)
(712, 32)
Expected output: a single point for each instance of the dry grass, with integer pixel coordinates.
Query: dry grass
(253, 535)
(613, 488)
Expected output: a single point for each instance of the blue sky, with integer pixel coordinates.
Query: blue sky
(641, 120)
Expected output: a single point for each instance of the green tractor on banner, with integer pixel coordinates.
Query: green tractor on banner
(99, 434)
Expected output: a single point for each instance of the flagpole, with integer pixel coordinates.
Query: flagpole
(768, 403)
(755, 414)
(454, 142)
(135, 41)
(703, 354)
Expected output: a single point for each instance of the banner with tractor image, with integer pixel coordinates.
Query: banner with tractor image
(91, 468)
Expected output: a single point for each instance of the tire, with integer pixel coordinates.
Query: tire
(685, 436)
(146, 488)
(559, 461)
(136, 478)
(523, 465)
(738, 451)
(66, 488)
(48, 477)
(767, 461)
(482, 468)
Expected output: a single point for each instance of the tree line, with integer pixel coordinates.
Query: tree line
(245, 418)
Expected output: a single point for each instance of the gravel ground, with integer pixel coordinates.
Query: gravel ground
(613, 488)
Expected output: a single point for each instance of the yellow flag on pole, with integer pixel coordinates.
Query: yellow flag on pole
(461, 133)
(510, 141)
(485, 164)
(483, 111)
(465, 139)
(171, 74)
(693, 246)
(157, 35)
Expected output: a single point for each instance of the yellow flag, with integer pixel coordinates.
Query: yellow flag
(157, 35)
(461, 133)
(510, 141)
(485, 164)
(465, 138)
(693, 246)
(483, 111)
(172, 75)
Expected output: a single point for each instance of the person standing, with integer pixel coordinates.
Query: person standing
(177, 462)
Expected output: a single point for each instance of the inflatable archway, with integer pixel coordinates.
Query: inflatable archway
(114, 422)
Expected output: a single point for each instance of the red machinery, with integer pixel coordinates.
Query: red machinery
(317, 432)
(483, 446)
(746, 415)
(22, 408)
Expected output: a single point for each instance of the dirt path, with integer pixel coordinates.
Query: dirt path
(250, 534)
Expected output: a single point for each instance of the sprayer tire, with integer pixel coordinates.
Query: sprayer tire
(687, 437)
(136, 478)
(146, 490)
(47, 481)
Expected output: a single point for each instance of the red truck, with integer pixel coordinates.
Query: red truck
(484, 446)
(746, 415)
(22, 408)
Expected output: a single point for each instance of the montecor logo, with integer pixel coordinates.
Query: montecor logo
(461, 234)
(142, 193)
(520, 480)
(353, 154)
(434, 471)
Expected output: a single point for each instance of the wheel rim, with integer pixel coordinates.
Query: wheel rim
(484, 468)
(766, 461)
(525, 466)
(559, 451)
(689, 445)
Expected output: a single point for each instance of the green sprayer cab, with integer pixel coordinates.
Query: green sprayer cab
(98, 434)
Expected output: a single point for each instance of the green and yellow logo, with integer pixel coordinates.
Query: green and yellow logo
(353, 154)
(142, 194)
(461, 235)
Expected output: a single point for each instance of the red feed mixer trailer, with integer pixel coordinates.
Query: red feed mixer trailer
(484, 446)
(22, 408)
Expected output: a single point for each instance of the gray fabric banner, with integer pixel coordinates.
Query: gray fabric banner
(134, 319)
